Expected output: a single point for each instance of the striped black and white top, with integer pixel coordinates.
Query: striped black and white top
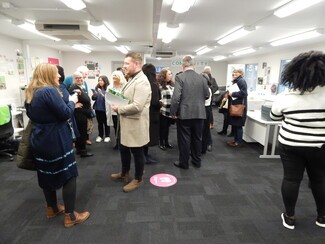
(303, 117)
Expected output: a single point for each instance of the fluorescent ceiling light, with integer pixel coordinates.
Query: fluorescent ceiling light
(100, 30)
(294, 7)
(218, 58)
(31, 28)
(74, 4)
(168, 32)
(243, 31)
(298, 37)
(203, 50)
(122, 49)
(181, 6)
(244, 51)
(82, 48)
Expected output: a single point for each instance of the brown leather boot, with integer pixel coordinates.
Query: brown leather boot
(134, 184)
(51, 213)
(121, 177)
(79, 218)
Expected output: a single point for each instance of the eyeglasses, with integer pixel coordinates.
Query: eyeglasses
(78, 78)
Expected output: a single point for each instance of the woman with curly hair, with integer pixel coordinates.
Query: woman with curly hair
(302, 135)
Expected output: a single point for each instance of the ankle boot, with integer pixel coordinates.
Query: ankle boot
(78, 218)
(121, 177)
(51, 213)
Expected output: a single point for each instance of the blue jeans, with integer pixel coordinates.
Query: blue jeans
(295, 160)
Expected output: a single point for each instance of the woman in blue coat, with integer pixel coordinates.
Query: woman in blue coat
(51, 141)
(238, 97)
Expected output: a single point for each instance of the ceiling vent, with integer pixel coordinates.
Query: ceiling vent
(164, 54)
(66, 31)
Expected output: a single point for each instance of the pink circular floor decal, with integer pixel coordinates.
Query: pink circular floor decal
(163, 180)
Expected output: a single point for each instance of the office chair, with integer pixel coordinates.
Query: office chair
(6, 132)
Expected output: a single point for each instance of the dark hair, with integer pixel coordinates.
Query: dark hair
(162, 78)
(150, 71)
(61, 73)
(106, 81)
(305, 72)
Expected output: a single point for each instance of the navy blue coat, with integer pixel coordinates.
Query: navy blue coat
(51, 138)
(241, 97)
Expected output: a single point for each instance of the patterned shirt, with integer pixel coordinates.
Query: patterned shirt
(303, 117)
(166, 98)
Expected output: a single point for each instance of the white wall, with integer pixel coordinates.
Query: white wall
(8, 48)
(273, 59)
(218, 69)
(72, 60)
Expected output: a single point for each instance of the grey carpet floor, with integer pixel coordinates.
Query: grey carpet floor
(233, 198)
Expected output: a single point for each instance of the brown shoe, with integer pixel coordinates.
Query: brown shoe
(120, 177)
(79, 218)
(88, 142)
(230, 142)
(52, 214)
(134, 184)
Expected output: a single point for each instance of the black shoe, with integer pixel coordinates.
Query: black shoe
(320, 221)
(288, 222)
(196, 165)
(169, 145)
(178, 165)
(222, 133)
(162, 148)
(85, 155)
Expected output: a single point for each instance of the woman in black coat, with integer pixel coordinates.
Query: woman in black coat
(82, 112)
(238, 97)
(154, 112)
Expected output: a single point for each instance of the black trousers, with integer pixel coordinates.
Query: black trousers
(295, 160)
(81, 121)
(139, 159)
(102, 124)
(68, 193)
(189, 138)
(164, 125)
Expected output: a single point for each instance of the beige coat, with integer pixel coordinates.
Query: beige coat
(134, 117)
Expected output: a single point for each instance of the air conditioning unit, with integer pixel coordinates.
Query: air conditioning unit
(66, 30)
(164, 54)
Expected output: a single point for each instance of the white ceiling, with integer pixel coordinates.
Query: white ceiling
(136, 22)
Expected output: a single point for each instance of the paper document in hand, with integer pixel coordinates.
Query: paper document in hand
(117, 98)
(233, 88)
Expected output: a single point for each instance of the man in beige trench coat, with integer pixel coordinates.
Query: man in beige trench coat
(134, 121)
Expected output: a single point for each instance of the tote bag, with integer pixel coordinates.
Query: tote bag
(25, 159)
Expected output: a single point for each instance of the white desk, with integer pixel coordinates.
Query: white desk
(258, 130)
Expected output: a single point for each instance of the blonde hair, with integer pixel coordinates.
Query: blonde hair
(43, 75)
(120, 75)
(240, 71)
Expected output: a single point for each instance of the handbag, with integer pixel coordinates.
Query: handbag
(25, 158)
(237, 110)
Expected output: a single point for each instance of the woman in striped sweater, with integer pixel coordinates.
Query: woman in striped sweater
(302, 135)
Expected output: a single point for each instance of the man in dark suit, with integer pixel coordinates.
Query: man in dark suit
(187, 105)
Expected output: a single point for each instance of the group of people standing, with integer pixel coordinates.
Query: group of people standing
(59, 113)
